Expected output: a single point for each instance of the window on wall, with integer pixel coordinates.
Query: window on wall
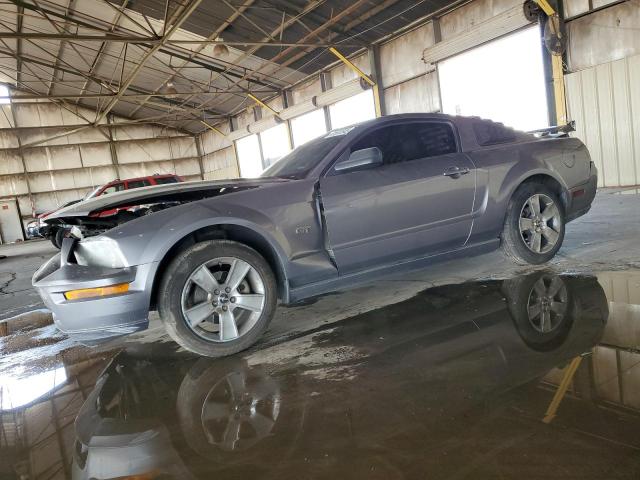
(275, 144)
(249, 157)
(4, 95)
(356, 109)
(307, 127)
(502, 80)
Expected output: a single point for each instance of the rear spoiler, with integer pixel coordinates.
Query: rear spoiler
(555, 131)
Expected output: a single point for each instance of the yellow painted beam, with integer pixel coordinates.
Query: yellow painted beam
(211, 127)
(349, 64)
(262, 104)
(557, 69)
(376, 100)
(562, 390)
(558, 90)
(546, 8)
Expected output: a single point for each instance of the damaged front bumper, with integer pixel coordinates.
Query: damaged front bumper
(100, 317)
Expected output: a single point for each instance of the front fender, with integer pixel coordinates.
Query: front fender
(149, 238)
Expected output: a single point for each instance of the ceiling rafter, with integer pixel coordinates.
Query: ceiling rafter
(179, 18)
(333, 20)
(98, 58)
(311, 5)
(216, 33)
(36, 61)
(120, 57)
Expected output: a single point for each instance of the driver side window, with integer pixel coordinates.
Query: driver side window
(406, 142)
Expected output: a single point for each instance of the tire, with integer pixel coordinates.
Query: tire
(56, 237)
(232, 320)
(523, 247)
(542, 307)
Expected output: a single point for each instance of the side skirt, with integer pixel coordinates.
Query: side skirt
(364, 276)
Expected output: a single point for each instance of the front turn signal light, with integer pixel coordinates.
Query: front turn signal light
(97, 292)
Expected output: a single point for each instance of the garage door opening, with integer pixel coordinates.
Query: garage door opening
(503, 81)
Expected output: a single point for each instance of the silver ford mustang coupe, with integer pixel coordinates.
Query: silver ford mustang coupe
(397, 192)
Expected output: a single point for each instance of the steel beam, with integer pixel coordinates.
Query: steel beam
(312, 5)
(176, 24)
(216, 33)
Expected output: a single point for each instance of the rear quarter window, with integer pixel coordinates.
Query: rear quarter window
(138, 184)
(490, 133)
(165, 180)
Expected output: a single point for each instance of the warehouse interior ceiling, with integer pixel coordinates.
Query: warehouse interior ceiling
(185, 64)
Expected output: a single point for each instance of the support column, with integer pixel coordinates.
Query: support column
(197, 139)
(24, 164)
(112, 147)
(378, 87)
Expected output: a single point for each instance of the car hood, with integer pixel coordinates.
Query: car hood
(175, 192)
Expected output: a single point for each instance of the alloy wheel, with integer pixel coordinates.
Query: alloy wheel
(547, 304)
(540, 223)
(223, 299)
(240, 410)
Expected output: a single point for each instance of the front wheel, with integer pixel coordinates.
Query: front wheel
(217, 297)
(534, 225)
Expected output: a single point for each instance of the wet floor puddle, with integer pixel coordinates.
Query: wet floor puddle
(537, 376)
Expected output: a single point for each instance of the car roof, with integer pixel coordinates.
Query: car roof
(161, 175)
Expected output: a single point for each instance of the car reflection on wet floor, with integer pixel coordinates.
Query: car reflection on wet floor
(495, 379)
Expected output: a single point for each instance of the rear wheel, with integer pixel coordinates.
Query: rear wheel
(542, 308)
(56, 237)
(217, 297)
(534, 225)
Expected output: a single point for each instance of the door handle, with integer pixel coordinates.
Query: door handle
(455, 172)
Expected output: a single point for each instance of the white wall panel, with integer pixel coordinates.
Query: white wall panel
(418, 95)
(402, 57)
(67, 167)
(604, 36)
(187, 167)
(8, 140)
(342, 74)
(181, 147)
(605, 104)
(6, 118)
(155, 150)
(473, 13)
(37, 159)
(13, 185)
(144, 169)
(307, 90)
(65, 157)
(10, 162)
(220, 164)
(95, 154)
(212, 141)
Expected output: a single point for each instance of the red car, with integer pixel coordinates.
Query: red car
(54, 233)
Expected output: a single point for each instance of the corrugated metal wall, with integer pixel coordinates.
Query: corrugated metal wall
(65, 167)
(604, 101)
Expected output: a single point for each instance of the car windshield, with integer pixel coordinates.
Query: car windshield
(92, 193)
(301, 160)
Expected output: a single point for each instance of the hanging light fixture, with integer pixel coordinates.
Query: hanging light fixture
(220, 49)
(169, 88)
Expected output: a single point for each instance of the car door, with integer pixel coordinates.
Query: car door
(418, 202)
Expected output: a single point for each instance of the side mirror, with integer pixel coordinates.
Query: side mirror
(367, 157)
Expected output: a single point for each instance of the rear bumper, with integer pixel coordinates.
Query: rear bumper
(582, 197)
(101, 318)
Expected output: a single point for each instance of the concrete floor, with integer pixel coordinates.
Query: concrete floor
(428, 375)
